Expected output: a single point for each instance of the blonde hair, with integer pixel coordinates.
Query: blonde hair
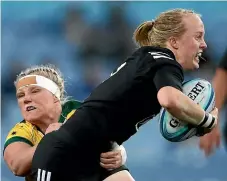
(158, 31)
(49, 71)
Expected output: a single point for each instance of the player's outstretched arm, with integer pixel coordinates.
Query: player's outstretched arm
(18, 156)
(168, 80)
(183, 108)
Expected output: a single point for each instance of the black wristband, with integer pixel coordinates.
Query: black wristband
(208, 121)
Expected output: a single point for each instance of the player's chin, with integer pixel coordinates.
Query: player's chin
(195, 64)
(33, 118)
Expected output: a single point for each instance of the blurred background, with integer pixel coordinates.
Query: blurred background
(86, 40)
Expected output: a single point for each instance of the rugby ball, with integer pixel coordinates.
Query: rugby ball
(202, 93)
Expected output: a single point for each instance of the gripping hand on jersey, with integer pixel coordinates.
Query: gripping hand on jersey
(113, 159)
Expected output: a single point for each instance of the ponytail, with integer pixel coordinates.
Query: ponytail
(141, 34)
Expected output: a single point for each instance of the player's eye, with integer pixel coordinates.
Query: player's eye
(35, 90)
(19, 95)
(198, 37)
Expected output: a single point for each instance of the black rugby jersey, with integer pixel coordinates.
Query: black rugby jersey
(128, 98)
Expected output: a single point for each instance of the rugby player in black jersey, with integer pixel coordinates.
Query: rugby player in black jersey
(147, 80)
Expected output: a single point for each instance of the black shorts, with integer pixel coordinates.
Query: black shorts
(59, 158)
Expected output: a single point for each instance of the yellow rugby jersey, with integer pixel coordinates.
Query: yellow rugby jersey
(31, 134)
(24, 132)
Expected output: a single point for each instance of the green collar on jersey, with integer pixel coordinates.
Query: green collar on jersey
(67, 108)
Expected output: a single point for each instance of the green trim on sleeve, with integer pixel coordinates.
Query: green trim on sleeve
(17, 139)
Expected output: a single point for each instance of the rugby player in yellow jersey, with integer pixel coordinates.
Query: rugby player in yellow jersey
(44, 113)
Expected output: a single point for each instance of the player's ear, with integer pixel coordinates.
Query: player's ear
(173, 42)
